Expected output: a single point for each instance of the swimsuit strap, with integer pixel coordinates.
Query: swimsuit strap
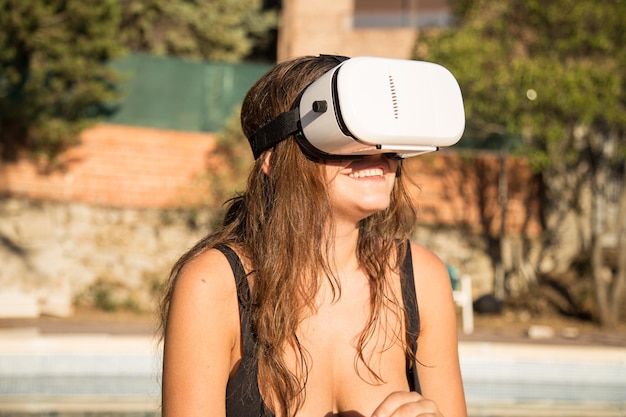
(409, 299)
(243, 295)
(243, 398)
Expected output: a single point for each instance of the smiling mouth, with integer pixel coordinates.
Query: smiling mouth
(367, 173)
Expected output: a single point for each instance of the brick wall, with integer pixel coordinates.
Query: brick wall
(121, 166)
(453, 189)
(118, 166)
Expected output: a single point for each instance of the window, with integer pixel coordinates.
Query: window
(401, 13)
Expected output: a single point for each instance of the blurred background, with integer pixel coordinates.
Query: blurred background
(120, 140)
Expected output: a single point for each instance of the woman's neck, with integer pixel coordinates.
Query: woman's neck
(346, 238)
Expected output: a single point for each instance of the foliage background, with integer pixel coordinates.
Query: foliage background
(55, 77)
(547, 79)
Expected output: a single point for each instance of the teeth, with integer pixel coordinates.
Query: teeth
(377, 172)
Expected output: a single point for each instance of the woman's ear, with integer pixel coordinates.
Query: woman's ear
(267, 155)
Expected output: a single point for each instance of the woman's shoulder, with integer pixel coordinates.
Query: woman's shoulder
(204, 297)
(426, 258)
(429, 270)
(207, 277)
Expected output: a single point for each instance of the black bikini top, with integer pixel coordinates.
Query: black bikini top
(243, 398)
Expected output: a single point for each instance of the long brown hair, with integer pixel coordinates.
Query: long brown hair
(281, 225)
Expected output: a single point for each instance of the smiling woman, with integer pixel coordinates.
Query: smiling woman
(310, 300)
(361, 187)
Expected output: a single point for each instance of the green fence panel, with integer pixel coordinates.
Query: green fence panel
(170, 93)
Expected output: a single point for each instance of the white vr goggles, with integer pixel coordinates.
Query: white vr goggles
(368, 105)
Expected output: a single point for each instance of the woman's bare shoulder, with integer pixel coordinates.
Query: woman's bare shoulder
(208, 272)
(204, 307)
(205, 293)
(427, 265)
(432, 281)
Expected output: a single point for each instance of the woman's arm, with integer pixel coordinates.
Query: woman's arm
(437, 353)
(201, 334)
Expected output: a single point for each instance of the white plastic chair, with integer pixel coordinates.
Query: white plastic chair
(463, 298)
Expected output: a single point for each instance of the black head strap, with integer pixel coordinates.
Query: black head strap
(283, 126)
(279, 129)
(338, 58)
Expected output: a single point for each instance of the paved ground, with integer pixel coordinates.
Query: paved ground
(507, 328)
(517, 328)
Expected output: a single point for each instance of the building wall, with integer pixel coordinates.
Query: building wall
(326, 26)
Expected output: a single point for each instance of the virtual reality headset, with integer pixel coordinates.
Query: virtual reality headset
(369, 105)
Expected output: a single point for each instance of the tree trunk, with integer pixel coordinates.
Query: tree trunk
(601, 283)
(618, 294)
(503, 194)
(608, 233)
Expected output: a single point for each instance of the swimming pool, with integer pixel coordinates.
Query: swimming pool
(524, 410)
(115, 376)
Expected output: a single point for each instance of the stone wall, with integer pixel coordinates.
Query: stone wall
(64, 253)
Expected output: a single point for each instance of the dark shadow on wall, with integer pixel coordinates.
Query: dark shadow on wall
(12, 247)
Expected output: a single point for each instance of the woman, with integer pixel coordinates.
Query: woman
(304, 302)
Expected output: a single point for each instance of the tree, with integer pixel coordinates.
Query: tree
(53, 75)
(223, 30)
(553, 73)
(54, 54)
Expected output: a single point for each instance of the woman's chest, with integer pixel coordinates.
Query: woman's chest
(354, 359)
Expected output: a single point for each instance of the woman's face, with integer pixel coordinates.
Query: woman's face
(360, 188)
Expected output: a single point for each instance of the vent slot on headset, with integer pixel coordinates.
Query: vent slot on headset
(394, 96)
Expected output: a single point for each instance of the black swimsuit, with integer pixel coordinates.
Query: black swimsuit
(243, 398)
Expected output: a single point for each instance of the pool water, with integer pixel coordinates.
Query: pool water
(122, 375)
(482, 409)
(78, 414)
